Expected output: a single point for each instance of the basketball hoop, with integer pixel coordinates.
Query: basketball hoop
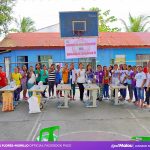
(78, 24)
(78, 33)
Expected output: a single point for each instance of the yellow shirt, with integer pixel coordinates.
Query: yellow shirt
(65, 74)
(17, 77)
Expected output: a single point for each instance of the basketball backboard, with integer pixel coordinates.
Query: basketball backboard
(78, 24)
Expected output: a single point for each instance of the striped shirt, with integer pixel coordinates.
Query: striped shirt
(51, 76)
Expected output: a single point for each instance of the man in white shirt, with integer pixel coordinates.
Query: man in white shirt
(81, 80)
(140, 82)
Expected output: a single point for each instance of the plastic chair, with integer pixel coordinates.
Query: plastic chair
(49, 134)
(141, 138)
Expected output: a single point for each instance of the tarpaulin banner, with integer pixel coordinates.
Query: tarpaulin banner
(80, 47)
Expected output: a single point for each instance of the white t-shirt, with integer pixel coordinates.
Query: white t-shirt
(81, 78)
(147, 79)
(140, 77)
(123, 74)
(32, 79)
(115, 76)
(115, 73)
(73, 76)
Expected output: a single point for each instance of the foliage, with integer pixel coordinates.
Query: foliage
(26, 24)
(137, 24)
(6, 17)
(105, 20)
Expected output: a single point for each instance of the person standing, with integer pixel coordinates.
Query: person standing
(106, 80)
(129, 82)
(72, 81)
(99, 75)
(58, 81)
(81, 80)
(140, 82)
(147, 88)
(65, 74)
(3, 80)
(115, 76)
(123, 80)
(89, 76)
(23, 73)
(51, 80)
(16, 77)
(44, 78)
(31, 80)
(37, 72)
(133, 83)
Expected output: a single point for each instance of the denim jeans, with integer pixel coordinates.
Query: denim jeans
(135, 92)
(147, 99)
(123, 92)
(106, 90)
(140, 93)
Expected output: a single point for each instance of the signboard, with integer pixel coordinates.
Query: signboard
(80, 48)
(120, 59)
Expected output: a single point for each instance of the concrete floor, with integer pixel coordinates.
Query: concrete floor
(106, 122)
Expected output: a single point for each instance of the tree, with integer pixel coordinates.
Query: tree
(6, 7)
(137, 24)
(105, 20)
(26, 24)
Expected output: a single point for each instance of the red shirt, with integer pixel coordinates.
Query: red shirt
(3, 79)
(106, 77)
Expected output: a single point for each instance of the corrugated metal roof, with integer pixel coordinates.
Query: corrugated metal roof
(53, 40)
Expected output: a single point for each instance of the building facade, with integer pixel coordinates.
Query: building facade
(30, 48)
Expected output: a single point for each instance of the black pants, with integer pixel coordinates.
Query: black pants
(81, 88)
(43, 93)
(130, 91)
(147, 99)
(51, 87)
(17, 94)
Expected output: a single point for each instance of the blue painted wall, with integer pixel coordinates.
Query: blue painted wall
(104, 55)
(58, 55)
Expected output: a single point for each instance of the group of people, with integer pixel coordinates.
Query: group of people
(136, 78)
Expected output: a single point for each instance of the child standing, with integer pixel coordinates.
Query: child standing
(16, 76)
(51, 80)
(31, 80)
(89, 76)
(99, 81)
(58, 80)
(106, 83)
